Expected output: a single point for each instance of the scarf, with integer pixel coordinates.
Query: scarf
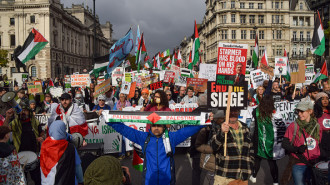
(122, 105)
(167, 144)
(60, 111)
(312, 127)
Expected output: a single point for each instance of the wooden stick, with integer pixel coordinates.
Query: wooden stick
(294, 92)
(230, 89)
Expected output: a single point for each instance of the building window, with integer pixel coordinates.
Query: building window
(308, 36)
(223, 4)
(251, 5)
(233, 18)
(224, 19)
(12, 41)
(277, 5)
(295, 21)
(301, 6)
(261, 34)
(242, 5)
(301, 50)
(282, 18)
(243, 34)
(294, 50)
(261, 50)
(308, 49)
(242, 19)
(232, 4)
(224, 34)
(251, 20)
(13, 70)
(233, 34)
(301, 21)
(260, 19)
(275, 19)
(33, 71)
(278, 34)
(12, 21)
(281, 5)
(11, 57)
(259, 5)
(252, 34)
(279, 51)
(301, 36)
(251, 50)
(294, 36)
(32, 19)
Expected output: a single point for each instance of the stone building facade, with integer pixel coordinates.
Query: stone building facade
(279, 24)
(69, 32)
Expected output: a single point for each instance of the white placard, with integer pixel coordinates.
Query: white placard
(125, 88)
(280, 66)
(117, 75)
(56, 91)
(257, 78)
(208, 71)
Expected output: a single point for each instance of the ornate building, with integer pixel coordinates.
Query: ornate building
(279, 24)
(68, 30)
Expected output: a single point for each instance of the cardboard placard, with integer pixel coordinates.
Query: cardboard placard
(102, 88)
(217, 96)
(34, 87)
(208, 71)
(155, 86)
(297, 72)
(309, 74)
(257, 78)
(197, 83)
(80, 80)
(280, 66)
(267, 69)
(125, 88)
(231, 63)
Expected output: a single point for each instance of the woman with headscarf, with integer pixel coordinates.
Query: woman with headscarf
(302, 139)
(59, 160)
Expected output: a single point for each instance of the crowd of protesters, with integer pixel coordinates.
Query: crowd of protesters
(245, 149)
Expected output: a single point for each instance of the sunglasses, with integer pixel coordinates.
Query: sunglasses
(156, 125)
(169, 95)
(298, 111)
(101, 100)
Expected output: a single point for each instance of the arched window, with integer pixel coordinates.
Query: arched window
(301, 6)
(33, 71)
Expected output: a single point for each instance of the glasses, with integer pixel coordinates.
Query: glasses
(169, 95)
(299, 111)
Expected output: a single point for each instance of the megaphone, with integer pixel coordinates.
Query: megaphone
(9, 97)
(77, 140)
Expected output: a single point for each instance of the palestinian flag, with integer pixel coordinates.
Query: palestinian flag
(157, 61)
(174, 57)
(165, 53)
(57, 162)
(141, 50)
(323, 74)
(195, 47)
(138, 38)
(137, 159)
(318, 41)
(51, 84)
(181, 118)
(166, 61)
(190, 65)
(288, 71)
(255, 54)
(147, 63)
(32, 45)
(179, 61)
(264, 59)
(98, 68)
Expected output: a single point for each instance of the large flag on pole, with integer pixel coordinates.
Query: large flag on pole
(157, 66)
(264, 59)
(323, 74)
(191, 64)
(138, 38)
(141, 50)
(288, 70)
(32, 45)
(166, 61)
(318, 41)
(255, 54)
(120, 50)
(195, 47)
(179, 61)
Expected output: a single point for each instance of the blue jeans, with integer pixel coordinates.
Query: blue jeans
(300, 174)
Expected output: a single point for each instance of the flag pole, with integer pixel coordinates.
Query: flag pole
(230, 89)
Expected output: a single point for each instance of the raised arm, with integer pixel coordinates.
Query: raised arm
(182, 134)
(134, 135)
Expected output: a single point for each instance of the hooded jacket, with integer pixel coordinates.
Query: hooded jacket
(158, 170)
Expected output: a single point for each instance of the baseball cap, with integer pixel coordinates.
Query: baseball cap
(100, 97)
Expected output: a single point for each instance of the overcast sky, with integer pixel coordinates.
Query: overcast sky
(164, 23)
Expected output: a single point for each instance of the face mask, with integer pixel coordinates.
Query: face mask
(158, 100)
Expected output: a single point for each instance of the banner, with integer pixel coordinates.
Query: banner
(155, 86)
(80, 80)
(257, 78)
(149, 79)
(102, 88)
(208, 71)
(43, 120)
(34, 87)
(186, 107)
(217, 96)
(103, 133)
(297, 72)
(119, 51)
(198, 84)
(286, 110)
(231, 63)
(117, 76)
(309, 74)
(280, 66)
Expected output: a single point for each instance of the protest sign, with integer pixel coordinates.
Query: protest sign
(149, 79)
(267, 69)
(34, 87)
(67, 81)
(286, 110)
(231, 63)
(127, 77)
(198, 84)
(297, 72)
(132, 90)
(56, 91)
(181, 81)
(103, 133)
(43, 120)
(186, 107)
(80, 80)
(125, 88)
(176, 70)
(217, 96)
(280, 66)
(169, 77)
(257, 78)
(185, 72)
(309, 74)
(102, 88)
(117, 75)
(155, 86)
(208, 71)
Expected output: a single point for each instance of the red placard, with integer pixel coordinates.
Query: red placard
(198, 83)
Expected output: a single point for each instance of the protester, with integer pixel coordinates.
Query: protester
(263, 139)
(274, 90)
(101, 105)
(59, 160)
(236, 167)
(144, 99)
(169, 97)
(79, 100)
(45, 105)
(110, 99)
(260, 93)
(122, 102)
(312, 92)
(190, 97)
(70, 114)
(22, 98)
(304, 131)
(136, 98)
(34, 108)
(181, 95)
